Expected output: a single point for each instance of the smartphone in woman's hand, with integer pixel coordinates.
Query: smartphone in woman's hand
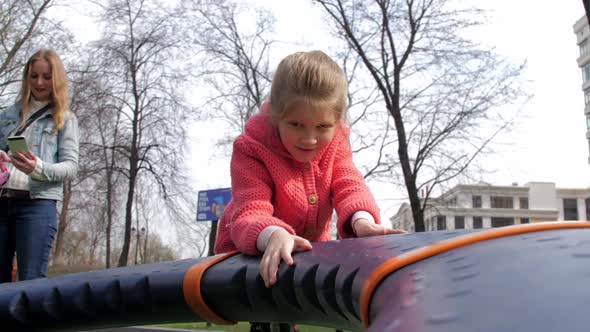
(17, 144)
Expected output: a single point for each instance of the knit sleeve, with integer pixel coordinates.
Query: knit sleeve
(350, 192)
(252, 192)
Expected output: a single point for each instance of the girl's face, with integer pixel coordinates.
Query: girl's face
(305, 130)
(41, 80)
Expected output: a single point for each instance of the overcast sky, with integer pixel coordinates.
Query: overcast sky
(548, 144)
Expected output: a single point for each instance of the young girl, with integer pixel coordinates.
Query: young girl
(292, 166)
(35, 182)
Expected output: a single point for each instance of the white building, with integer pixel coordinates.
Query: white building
(485, 206)
(582, 31)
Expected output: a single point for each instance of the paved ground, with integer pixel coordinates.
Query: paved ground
(148, 329)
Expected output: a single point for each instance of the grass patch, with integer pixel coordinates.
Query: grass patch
(240, 327)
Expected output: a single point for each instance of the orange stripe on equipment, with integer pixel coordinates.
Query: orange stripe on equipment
(396, 263)
(191, 288)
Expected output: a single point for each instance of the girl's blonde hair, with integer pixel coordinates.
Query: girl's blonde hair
(312, 77)
(59, 96)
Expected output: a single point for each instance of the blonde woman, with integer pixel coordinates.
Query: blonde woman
(36, 175)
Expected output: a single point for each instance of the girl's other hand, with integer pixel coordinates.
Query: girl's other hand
(280, 246)
(364, 227)
(3, 159)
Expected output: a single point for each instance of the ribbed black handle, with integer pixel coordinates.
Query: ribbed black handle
(136, 295)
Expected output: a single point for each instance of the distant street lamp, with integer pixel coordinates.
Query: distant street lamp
(137, 240)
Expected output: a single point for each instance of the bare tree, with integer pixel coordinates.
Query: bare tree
(82, 244)
(77, 90)
(142, 52)
(370, 126)
(157, 251)
(108, 131)
(25, 27)
(235, 59)
(100, 122)
(18, 25)
(443, 93)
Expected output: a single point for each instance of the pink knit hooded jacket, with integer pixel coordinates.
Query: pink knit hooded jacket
(269, 188)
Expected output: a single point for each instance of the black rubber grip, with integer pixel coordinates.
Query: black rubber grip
(135, 295)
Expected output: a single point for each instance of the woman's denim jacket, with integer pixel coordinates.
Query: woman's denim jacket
(58, 150)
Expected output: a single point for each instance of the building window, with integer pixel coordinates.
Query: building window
(524, 220)
(452, 202)
(570, 209)
(459, 222)
(477, 222)
(587, 208)
(502, 221)
(586, 73)
(476, 201)
(501, 202)
(584, 47)
(524, 202)
(441, 223)
(587, 97)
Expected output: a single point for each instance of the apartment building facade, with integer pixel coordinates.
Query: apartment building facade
(582, 31)
(487, 206)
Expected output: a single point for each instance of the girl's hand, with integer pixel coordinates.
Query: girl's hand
(280, 246)
(3, 159)
(364, 227)
(25, 162)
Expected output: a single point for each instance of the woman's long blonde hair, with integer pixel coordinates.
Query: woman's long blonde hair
(59, 96)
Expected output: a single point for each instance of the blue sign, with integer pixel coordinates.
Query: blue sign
(212, 203)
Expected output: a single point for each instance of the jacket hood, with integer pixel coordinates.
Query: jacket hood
(260, 128)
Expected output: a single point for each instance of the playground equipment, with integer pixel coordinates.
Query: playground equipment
(533, 277)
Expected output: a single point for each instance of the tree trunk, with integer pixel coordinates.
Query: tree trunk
(133, 164)
(404, 159)
(128, 218)
(109, 197)
(62, 222)
(109, 223)
(110, 165)
(145, 242)
(212, 237)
